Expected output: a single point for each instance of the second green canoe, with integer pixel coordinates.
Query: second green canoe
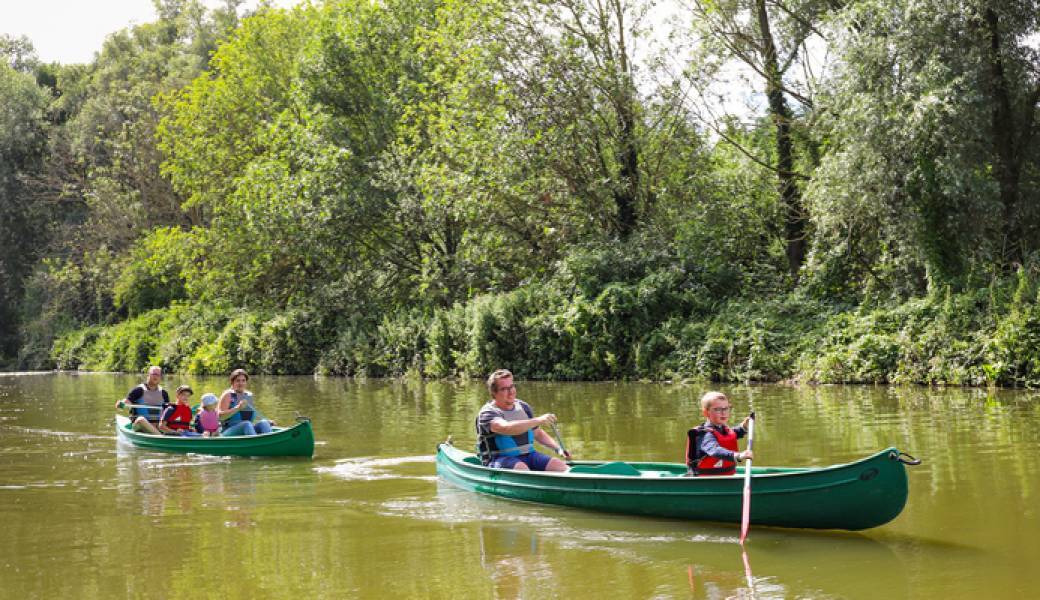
(297, 440)
(858, 495)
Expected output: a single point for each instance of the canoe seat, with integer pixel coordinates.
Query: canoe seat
(611, 468)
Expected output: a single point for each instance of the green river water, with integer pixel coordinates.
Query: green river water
(84, 516)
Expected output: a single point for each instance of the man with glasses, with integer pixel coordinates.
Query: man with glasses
(507, 430)
(711, 448)
(146, 402)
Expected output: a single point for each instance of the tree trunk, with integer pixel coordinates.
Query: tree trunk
(627, 195)
(1007, 167)
(791, 196)
(628, 192)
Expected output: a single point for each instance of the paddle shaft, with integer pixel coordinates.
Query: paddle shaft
(559, 440)
(745, 519)
(144, 406)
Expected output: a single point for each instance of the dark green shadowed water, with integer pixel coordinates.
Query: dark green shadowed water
(85, 517)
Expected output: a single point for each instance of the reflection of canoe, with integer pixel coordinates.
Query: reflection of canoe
(297, 440)
(857, 495)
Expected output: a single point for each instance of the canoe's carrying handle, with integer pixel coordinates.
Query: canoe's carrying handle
(906, 459)
(301, 418)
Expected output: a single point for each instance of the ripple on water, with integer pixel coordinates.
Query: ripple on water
(463, 507)
(562, 526)
(65, 435)
(368, 468)
(456, 506)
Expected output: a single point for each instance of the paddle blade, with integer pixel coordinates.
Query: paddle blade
(745, 519)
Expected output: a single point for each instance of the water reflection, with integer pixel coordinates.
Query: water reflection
(748, 575)
(726, 572)
(511, 558)
(521, 538)
(176, 487)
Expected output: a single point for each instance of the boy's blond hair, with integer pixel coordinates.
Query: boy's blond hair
(710, 397)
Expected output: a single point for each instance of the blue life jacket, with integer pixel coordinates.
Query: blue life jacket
(243, 415)
(154, 399)
(492, 445)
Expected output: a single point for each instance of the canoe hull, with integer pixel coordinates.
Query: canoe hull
(853, 496)
(297, 440)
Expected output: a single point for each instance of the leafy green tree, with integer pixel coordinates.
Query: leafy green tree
(770, 41)
(18, 53)
(240, 148)
(24, 226)
(113, 131)
(928, 176)
(445, 185)
(99, 174)
(573, 70)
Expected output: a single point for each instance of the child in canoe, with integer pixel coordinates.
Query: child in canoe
(711, 448)
(176, 418)
(208, 419)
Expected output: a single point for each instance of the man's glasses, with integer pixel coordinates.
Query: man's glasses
(722, 409)
(506, 388)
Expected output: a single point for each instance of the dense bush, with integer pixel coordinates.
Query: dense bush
(654, 327)
(153, 277)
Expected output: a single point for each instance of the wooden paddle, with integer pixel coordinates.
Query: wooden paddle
(745, 520)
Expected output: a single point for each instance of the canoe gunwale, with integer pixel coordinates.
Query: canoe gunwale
(788, 471)
(151, 436)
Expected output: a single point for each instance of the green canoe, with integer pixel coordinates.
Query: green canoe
(297, 440)
(857, 495)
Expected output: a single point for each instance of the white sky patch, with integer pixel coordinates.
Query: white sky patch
(71, 31)
(736, 89)
(671, 44)
(1032, 41)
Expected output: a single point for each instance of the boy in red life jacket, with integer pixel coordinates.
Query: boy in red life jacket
(711, 448)
(176, 418)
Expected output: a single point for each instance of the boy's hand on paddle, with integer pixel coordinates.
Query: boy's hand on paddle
(745, 422)
(742, 456)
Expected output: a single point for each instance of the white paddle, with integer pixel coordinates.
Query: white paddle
(745, 520)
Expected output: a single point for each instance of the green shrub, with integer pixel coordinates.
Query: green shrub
(153, 276)
(659, 325)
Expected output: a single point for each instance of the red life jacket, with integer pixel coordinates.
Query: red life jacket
(179, 418)
(709, 465)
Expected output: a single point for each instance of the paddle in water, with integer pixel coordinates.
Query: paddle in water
(745, 519)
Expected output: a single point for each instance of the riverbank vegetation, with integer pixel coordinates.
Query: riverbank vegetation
(567, 188)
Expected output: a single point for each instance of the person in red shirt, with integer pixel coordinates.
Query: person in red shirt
(176, 418)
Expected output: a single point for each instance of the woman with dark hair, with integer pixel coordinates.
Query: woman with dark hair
(236, 408)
